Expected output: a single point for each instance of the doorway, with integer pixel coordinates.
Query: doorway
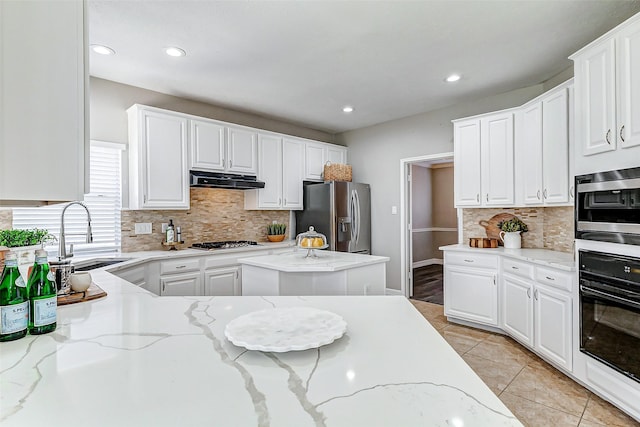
(428, 221)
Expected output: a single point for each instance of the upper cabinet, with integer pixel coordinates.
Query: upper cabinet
(43, 93)
(607, 95)
(158, 147)
(483, 151)
(215, 146)
(317, 154)
(542, 150)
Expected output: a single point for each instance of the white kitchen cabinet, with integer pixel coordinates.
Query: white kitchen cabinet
(517, 308)
(608, 100)
(185, 284)
(280, 166)
(158, 174)
(542, 150)
(222, 282)
(470, 287)
(483, 152)
(553, 325)
(44, 98)
(217, 147)
(317, 154)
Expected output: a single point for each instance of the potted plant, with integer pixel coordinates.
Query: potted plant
(510, 232)
(276, 232)
(23, 243)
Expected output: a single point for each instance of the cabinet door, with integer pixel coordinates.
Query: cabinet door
(517, 308)
(270, 171)
(597, 99)
(555, 148)
(164, 161)
(628, 54)
(497, 159)
(553, 324)
(292, 174)
(315, 158)
(467, 161)
(242, 150)
(471, 294)
(187, 284)
(336, 155)
(206, 146)
(529, 154)
(43, 124)
(222, 282)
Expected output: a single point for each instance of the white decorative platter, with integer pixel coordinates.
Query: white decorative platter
(285, 329)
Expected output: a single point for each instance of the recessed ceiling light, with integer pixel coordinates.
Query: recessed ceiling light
(347, 109)
(102, 50)
(175, 51)
(453, 78)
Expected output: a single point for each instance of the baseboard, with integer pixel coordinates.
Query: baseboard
(390, 291)
(426, 262)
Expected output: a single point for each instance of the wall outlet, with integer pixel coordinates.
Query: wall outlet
(394, 210)
(164, 227)
(143, 228)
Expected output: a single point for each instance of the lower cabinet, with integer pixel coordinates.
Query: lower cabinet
(185, 284)
(222, 281)
(517, 308)
(471, 293)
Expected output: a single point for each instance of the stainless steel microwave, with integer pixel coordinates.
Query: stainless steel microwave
(608, 206)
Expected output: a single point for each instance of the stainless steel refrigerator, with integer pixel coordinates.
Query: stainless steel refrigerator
(341, 211)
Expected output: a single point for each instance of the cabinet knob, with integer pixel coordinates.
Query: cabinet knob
(607, 137)
(230, 163)
(622, 133)
(538, 194)
(535, 294)
(478, 197)
(529, 293)
(544, 193)
(487, 197)
(571, 192)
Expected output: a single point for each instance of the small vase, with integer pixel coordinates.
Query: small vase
(511, 240)
(275, 237)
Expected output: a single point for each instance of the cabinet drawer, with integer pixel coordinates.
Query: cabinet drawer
(468, 259)
(557, 279)
(179, 266)
(517, 268)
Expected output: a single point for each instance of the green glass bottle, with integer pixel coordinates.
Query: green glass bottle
(14, 301)
(43, 300)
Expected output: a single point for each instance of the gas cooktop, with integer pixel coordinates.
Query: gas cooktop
(223, 245)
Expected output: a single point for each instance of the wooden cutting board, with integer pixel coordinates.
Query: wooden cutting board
(94, 292)
(491, 225)
(479, 242)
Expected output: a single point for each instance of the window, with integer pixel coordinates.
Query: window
(104, 203)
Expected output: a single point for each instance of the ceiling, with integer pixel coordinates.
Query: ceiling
(302, 61)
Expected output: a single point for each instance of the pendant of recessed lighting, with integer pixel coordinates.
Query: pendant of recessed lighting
(452, 78)
(347, 109)
(174, 51)
(102, 49)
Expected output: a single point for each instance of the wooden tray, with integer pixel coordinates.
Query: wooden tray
(480, 242)
(94, 292)
(491, 226)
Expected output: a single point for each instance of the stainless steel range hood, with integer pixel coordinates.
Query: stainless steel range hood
(224, 180)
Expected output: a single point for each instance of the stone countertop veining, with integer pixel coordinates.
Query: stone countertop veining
(297, 261)
(133, 358)
(544, 257)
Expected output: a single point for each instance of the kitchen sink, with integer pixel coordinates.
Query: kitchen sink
(97, 263)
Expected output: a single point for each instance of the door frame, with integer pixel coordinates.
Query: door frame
(406, 252)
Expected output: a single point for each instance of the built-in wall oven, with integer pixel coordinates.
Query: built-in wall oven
(608, 206)
(610, 310)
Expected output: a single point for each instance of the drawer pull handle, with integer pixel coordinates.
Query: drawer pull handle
(538, 194)
(468, 260)
(181, 266)
(550, 278)
(622, 133)
(607, 137)
(514, 267)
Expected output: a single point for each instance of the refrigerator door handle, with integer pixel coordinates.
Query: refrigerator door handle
(355, 216)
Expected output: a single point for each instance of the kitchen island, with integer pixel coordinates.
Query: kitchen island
(134, 358)
(322, 273)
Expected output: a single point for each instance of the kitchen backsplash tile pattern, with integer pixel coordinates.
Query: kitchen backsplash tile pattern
(215, 214)
(549, 228)
(6, 219)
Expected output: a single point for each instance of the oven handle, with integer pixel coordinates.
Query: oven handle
(604, 295)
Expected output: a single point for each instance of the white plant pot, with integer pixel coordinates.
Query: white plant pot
(511, 240)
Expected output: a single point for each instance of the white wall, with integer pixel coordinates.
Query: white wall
(375, 153)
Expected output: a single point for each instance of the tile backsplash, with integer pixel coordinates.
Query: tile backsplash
(6, 219)
(549, 227)
(215, 214)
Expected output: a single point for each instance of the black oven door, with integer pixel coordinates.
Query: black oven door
(610, 325)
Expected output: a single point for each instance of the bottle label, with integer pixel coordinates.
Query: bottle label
(14, 318)
(170, 236)
(41, 260)
(44, 311)
(20, 282)
(11, 262)
(51, 276)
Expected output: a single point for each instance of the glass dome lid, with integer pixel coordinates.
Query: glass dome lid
(311, 240)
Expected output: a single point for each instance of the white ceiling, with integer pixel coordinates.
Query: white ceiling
(302, 61)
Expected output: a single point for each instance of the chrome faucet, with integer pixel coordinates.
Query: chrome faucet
(62, 247)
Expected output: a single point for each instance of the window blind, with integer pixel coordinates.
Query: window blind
(104, 203)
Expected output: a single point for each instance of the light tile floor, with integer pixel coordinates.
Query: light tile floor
(538, 394)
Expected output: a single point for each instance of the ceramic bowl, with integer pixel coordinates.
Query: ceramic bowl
(80, 281)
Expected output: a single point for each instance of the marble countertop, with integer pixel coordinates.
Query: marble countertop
(133, 358)
(545, 257)
(297, 261)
